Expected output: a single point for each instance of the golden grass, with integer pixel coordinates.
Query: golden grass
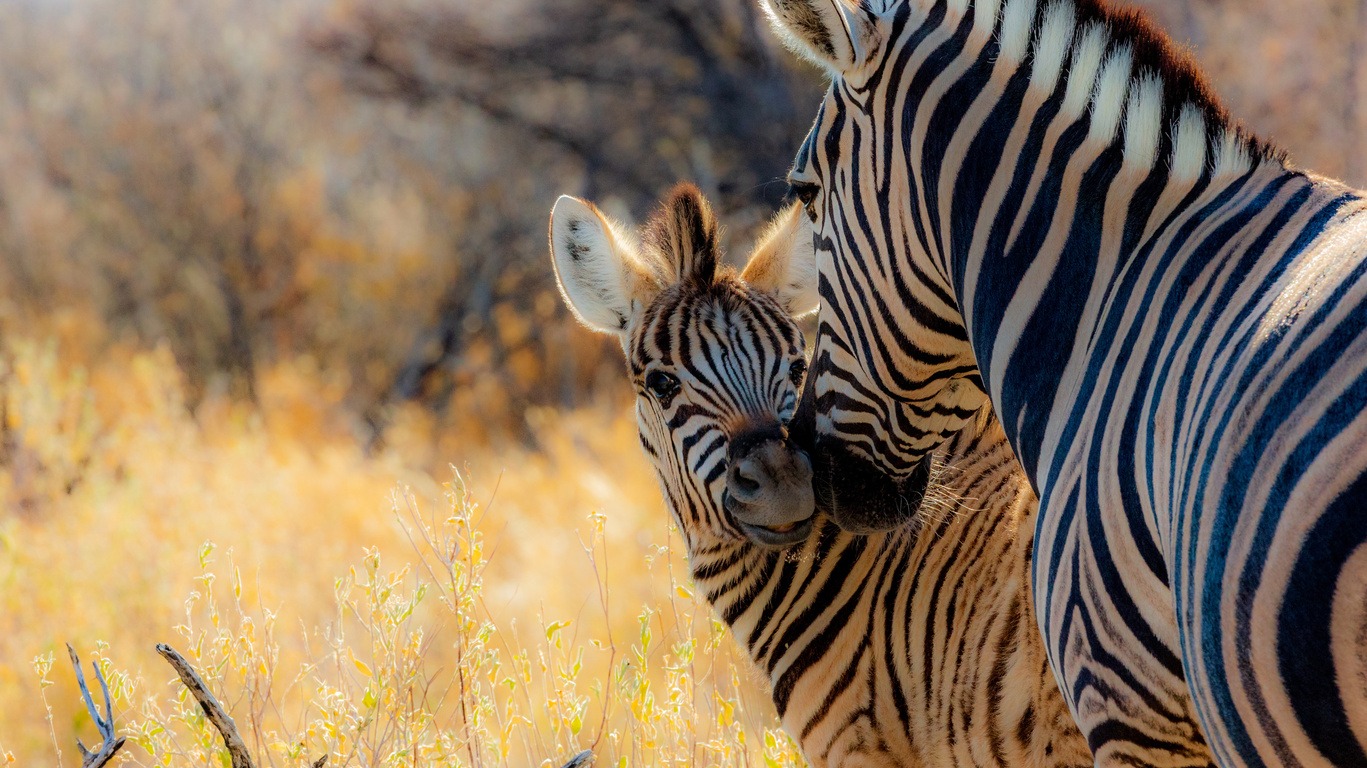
(356, 605)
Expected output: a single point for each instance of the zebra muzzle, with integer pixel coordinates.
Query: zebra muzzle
(769, 491)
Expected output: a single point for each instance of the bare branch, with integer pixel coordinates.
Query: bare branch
(237, 748)
(105, 725)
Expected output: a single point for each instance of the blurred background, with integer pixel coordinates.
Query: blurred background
(270, 270)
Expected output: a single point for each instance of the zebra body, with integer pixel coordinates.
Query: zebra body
(910, 647)
(1042, 205)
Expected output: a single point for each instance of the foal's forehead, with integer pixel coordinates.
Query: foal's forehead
(714, 316)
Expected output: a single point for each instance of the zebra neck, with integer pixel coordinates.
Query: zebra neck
(1054, 153)
(1017, 117)
(769, 599)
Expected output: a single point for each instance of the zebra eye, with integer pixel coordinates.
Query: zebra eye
(806, 193)
(796, 371)
(662, 385)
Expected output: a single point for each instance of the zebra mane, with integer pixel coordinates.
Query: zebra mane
(683, 237)
(1131, 76)
(682, 244)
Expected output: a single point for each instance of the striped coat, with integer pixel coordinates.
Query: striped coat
(1040, 204)
(910, 647)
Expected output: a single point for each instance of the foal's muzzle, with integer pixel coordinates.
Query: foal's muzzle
(769, 487)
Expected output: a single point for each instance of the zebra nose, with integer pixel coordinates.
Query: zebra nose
(746, 440)
(773, 468)
(769, 493)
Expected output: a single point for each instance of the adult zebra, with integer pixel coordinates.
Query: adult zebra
(901, 648)
(1040, 203)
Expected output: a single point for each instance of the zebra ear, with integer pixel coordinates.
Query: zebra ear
(601, 277)
(784, 263)
(838, 35)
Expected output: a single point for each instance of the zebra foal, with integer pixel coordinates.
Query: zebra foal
(1041, 204)
(899, 648)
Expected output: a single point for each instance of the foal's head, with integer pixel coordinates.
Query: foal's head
(715, 355)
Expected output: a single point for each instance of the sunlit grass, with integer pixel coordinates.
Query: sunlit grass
(367, 607)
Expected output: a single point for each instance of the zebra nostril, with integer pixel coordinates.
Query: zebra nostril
(745, 482)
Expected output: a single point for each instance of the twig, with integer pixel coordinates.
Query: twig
(105, 725)
(237, 748)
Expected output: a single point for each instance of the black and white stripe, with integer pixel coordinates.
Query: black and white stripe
(1039, 203)
(913, 647)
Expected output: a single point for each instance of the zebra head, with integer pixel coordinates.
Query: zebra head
(716, 358)
(893, 373)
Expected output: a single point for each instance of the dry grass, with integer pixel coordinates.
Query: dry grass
(344, 603)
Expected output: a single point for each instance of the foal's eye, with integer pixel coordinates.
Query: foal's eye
(796, 371)
(662, 385)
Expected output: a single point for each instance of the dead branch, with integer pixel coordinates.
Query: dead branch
(105, 725)
(237, 748)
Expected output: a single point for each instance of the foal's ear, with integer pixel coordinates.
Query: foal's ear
(601, 276)
(784, 263)
(838, 35)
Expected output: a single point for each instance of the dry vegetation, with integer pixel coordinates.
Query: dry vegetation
(255, 313)
(284, 380)
(345, 604)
